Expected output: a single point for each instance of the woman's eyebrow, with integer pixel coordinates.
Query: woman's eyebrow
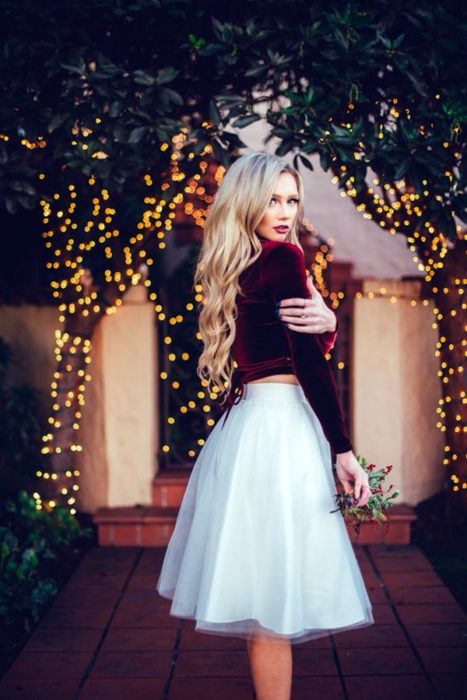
(288, 196)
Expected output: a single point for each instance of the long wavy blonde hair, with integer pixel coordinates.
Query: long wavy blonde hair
(230, 245)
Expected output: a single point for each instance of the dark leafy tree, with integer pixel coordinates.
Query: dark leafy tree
(378, 91)
(103, 122)
(122, 101)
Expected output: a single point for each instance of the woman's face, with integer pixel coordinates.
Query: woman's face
(282, 211)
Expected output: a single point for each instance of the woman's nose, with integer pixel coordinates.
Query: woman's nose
(285, 211)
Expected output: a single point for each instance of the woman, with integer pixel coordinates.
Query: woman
(256, 552)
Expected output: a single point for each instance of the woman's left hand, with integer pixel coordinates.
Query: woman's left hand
(353, 477)
(318, 317)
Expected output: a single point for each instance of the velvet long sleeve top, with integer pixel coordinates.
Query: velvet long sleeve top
(264, 346)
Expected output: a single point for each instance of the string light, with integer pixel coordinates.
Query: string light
(72, 287)
(397, 207)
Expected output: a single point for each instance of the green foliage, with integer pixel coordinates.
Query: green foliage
(32, 542)
(63, 66)
(376, 87)
(379, 501)
(161, 65)
(19, 429)
(175, 290)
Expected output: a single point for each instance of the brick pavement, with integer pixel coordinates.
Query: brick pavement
(108, 636)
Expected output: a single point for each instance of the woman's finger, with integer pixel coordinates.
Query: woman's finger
(358, 487)
(347, 485)
(366, 493)
(292, 303)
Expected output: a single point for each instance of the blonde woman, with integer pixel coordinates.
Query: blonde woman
(256, 552)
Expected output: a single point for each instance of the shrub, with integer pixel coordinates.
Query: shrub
(19, 430)
(31, 543)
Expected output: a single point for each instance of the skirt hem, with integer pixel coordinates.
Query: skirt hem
(257, 547)
(250, 628)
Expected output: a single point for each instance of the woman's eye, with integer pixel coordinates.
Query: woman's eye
(274, 200)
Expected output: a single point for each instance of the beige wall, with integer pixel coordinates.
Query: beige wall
(373, 251)
(395, 388)
(120, 421)
(119, 430)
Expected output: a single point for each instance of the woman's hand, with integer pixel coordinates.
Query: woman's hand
(318, 317)
(352, 475)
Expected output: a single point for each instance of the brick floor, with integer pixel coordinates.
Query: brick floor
(109, 635)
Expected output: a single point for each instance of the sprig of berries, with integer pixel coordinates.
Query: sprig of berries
(379, 500)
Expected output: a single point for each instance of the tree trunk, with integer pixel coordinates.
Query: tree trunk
(446, 284)
(73, 348)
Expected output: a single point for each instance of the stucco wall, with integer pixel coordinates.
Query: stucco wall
(373, 251)
(128, 368)
(395, 388)
(120, 425)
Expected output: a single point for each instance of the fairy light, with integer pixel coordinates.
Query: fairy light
(198, 216)
(394, 208)
(71, 286)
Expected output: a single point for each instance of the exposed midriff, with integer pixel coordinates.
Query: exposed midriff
(285, 378)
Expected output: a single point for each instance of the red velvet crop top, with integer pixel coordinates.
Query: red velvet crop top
(264, 345)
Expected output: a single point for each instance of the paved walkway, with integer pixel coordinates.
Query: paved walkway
(108, 636)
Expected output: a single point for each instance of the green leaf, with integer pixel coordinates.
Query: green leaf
(56, 121)
(79, 67)
(220, 154)
(196, 43)
(143, 78)
(309, 95)
(309, 146)
(228, 99)
(11, 204)
(115, 109)
(284, 147)
(171, 96)
(281, 132)
(137, 134)
(257, 71)
(308, 164)
(214, 113)
(324, 159)
(30, 557)
(166, 75)
(246, 120)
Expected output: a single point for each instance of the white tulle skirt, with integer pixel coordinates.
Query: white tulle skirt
(255, 549)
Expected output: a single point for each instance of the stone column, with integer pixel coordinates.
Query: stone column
(120, 427)
(395, 388)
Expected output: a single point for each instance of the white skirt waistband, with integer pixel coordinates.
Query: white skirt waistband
(273, 391)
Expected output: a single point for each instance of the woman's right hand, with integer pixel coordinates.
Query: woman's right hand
(353, 476)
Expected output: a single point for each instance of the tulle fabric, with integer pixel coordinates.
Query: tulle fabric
(255, 549)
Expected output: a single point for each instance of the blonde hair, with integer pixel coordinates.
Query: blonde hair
(230, 245)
